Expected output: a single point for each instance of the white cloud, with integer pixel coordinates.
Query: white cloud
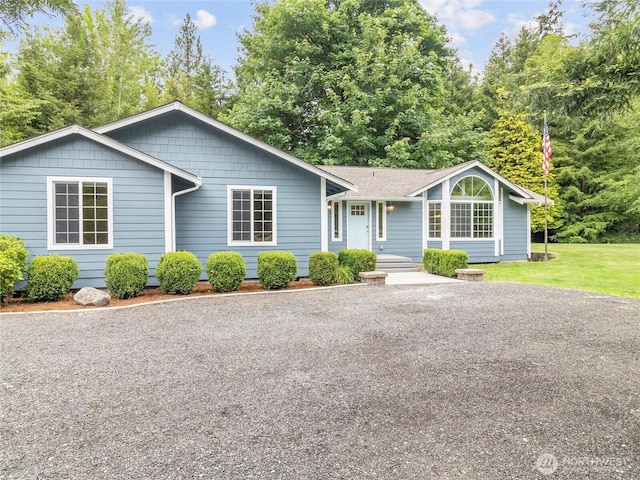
(518, 21)
(139, 14)
(459, 15)
(457, 39)
(205, 20)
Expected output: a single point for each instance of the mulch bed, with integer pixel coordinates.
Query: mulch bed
(151, 294)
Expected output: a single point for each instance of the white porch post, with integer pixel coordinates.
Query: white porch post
(324, 221)
(425, 221)
(497, 220)
(446, 215)
(168, 214)
(529, 231)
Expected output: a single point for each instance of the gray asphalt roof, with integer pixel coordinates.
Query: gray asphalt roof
(381, 182)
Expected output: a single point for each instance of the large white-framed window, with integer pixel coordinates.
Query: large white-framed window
(434, 217)
(381, 221)
(251, 215)
(336, 221)
(472, 209)
(79, 213)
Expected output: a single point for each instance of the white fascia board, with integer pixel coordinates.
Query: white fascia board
(536, 202)
(227, 129)
(468, 166)
(39, 140)
(103, 140)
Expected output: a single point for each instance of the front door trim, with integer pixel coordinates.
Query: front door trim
(351, 234)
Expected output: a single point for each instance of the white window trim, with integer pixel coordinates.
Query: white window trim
(383, 237)
(336, 209)
(51, 217)
(493, 202)
(230, 241)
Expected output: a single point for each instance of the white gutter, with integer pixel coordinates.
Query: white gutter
(367, 198)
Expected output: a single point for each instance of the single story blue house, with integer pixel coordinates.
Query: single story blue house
(174, 179)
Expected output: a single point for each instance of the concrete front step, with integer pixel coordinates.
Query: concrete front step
(394, 263)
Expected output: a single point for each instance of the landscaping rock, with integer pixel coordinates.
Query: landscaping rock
(92, 297)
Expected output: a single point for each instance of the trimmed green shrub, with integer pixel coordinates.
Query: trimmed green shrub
(50, 278)
(323, 268)
(357, 260)
(444, 262)
(178, 272)
(226, 271)
(13, 264)
(345, 276)
(126, 274)
(276, 269)
(431, 259)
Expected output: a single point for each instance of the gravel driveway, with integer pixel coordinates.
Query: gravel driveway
(453, 381)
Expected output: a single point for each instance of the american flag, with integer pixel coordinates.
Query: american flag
(546, 150)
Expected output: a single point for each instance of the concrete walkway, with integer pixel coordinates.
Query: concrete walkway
(417, 278)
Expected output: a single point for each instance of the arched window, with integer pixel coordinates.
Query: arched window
(471, 209)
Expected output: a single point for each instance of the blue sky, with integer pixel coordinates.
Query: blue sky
(472, 25)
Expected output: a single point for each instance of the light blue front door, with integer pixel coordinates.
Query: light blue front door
(358, 225)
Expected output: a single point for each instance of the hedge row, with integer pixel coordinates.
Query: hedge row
(444, 262)
(126, 274)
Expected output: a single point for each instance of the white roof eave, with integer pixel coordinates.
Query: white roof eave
(103, 140)
(470, 165)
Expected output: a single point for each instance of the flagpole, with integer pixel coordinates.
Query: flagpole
(546, 230)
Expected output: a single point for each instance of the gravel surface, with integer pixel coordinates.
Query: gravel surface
(453, 381)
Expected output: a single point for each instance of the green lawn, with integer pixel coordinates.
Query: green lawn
(613, 269)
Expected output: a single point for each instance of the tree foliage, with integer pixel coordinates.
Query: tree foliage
(14, 13)
(95, 70)
(354, 82)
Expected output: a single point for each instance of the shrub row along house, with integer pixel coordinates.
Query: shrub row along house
(174, 179)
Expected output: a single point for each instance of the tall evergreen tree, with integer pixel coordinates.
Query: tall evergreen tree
(514, 153)
(192, 77)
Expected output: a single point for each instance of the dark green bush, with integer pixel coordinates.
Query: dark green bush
(178, 272)
(358, 261)
(323, 268)
(126, 274)
(226, 271)
(13, 264)
(276, 269)
(50, 278)
(444, 262)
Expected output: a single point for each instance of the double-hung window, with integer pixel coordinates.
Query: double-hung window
(435, 219)
(472, 209)
(80, 213)
(251, 215)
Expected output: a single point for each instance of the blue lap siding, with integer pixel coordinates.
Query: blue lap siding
(222, 160)
(138, 217)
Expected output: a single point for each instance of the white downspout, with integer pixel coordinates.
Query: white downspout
(173, 211)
